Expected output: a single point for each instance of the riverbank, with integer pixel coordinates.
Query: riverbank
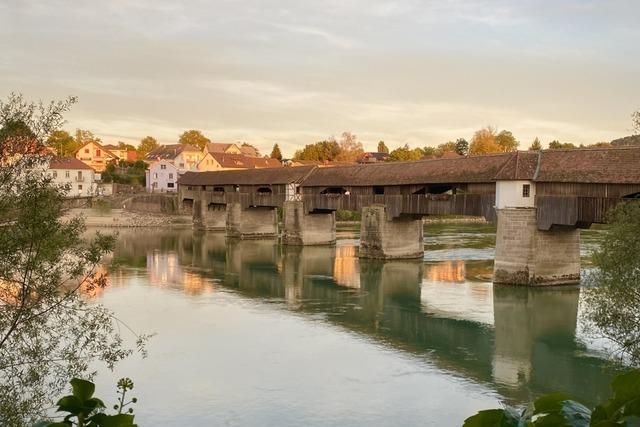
(126, 219)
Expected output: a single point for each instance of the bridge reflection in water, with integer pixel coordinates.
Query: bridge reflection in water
(520, 341)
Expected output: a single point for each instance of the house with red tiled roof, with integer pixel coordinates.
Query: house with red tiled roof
(224, 161)
(220, 147)
(96, 156)
(76, 175)
(122, 153)
(167, 162)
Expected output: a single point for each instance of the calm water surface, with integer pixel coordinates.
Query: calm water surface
(251, 333)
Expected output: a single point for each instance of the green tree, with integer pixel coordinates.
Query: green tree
(536, 145)
(350, 149)
(84, 137)
(125, 146)
(147, 144)
(506, 141)
(256, 152)
(275, 153)
(447, 147)
(323, 151)
(613, 302)
(47, 331)
(382, 147)
(462, 147)
(557, 145)
(62, 142)
(484, 141)
(404, 153)
(194, 137)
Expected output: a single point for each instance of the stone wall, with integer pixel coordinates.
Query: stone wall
(209, 217)
(385, 238)
(528, 256)
(303, 229)
(252, 222)
(152, 203)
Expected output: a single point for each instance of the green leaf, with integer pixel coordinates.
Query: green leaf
(119, 420)
(82, 389)
(70, 404)
(493, 418)
(626, 386)
(550, 403)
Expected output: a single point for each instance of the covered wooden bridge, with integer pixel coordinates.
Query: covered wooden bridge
(539, 200)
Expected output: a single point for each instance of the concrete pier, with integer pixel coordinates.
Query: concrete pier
(252, 222)
(209, 217)
(384, 238)
(303, 229)
(531, 257)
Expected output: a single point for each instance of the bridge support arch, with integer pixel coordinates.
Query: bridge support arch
(384, 238)
(209, 216)
(528, 256)
(306, 229)
(251, 222)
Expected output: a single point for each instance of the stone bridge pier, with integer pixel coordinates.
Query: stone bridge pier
(251, 222)
(209, 216)
(528, 256)
(390, 238)
(307, 229)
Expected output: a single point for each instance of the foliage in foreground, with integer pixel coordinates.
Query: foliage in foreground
(559, 410)
(612, 303)
(84, 410)
(48, 331)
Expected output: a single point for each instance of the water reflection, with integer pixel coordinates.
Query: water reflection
(520, 341)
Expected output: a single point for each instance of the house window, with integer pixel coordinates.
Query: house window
(526, 190)
(86, 151)
(55, 174)
(181, 165)
(163, 166)
(79, 187)
(155, 176)
(169, 184)
(98, 153)
(79, 175)
(66, 174)
(171, 176)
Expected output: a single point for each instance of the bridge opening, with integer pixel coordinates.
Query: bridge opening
(442, 189)
(187, 204)
(632, 196)
(336, 191)
(264, 190)
(378, 190)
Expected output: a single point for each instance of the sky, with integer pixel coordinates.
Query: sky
(294, 72)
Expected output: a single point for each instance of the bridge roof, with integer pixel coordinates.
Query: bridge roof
(445, 170)
(591, 165)
(264, 176)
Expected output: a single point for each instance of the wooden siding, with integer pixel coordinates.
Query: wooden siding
(575, 211)
(587, 190)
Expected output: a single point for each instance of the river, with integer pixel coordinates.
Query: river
(251, 333)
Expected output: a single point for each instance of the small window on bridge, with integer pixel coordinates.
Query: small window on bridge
(236, 188)
(441, 189)
(334, 191)
(526, 190)
(423, 190)
(264, 190)
(378, 190)
(218, 189)
(632, 196)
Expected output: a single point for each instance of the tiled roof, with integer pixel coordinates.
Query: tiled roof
(68, 163)
(591, 165)
(241, 161)
(248, 151)
(462, 169)
(246, 177)
(170, 151)
(217, 147)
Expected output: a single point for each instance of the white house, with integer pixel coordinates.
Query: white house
(162, 176)
(72, 172)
